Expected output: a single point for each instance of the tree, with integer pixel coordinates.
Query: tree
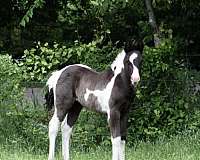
(152, 21)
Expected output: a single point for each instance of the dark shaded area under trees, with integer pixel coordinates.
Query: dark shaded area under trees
(66, 21)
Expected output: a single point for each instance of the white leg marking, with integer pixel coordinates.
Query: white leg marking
(66, 133)
(53, 130)
(108, 114)
(122, 151)
(116, 146)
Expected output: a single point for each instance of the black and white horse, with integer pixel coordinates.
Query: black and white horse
(107, 92)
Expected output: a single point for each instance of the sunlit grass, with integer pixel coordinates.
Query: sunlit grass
(185, 147)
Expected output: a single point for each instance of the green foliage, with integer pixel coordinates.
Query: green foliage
(10, 79)
(26, 128)
(29, 14)
(113, 20)
(19, 123)
(165, 101)
(90, 131)
(39, 61)
(162, 105)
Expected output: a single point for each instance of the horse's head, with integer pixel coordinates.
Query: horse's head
(133, 60)
(128, 61)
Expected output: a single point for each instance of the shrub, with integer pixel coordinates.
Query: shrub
(165, 100)
(90, 131)
(10, 79)
(39, 61)
(20, 123)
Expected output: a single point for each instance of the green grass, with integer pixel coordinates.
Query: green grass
(185, 147)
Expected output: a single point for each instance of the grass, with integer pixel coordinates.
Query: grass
(184, 147)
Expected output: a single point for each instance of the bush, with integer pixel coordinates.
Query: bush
(90, 131)
(165, 98)
(39, 61)
(10, 79)
(20, 123)
(165, 102)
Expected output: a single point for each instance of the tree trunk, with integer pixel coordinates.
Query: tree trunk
(152, 21)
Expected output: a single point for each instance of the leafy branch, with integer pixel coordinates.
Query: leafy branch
(29, 14)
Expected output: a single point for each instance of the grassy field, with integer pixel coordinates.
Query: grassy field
(177, 148)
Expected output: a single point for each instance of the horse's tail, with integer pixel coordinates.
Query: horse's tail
(49, 96)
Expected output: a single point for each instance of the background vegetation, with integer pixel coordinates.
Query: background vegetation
(37, 37)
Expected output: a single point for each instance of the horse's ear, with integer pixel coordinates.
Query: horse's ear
(134, 45)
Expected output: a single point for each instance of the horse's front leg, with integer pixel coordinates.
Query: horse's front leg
(123, 130)
(115, 134)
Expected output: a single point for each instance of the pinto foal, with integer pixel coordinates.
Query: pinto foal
(107, 92)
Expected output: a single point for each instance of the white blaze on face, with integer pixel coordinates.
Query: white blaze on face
(135, 76)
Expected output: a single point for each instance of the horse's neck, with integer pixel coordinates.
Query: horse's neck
(107, 74)
(126, 81)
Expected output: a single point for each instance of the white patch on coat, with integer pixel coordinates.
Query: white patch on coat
(87, 93)
(118, 63)
(52, 81)
(135, 76)
(54, 122)
(103, 96)
(82, 65)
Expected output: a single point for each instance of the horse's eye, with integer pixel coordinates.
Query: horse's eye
(136, 62)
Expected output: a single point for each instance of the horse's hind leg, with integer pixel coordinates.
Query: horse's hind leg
(63, 101)
(53, 130)
(66, 127)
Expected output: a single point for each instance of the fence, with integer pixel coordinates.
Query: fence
(35, 91)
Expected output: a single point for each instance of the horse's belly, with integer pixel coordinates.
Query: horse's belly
(93, 102)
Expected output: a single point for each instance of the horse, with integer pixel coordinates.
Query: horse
(110, 92)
